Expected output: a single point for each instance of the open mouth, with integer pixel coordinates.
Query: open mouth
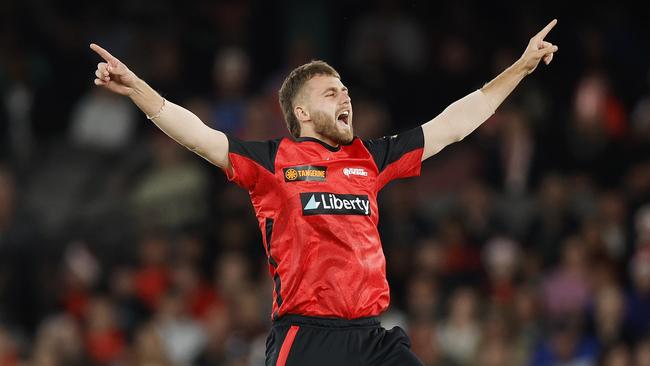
(343, 117)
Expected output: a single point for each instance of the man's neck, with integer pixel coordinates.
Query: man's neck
(320, 137)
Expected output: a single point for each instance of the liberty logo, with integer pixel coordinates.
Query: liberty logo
(325, 203)
(312, 204)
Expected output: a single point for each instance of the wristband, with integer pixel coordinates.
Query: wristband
(159, 111)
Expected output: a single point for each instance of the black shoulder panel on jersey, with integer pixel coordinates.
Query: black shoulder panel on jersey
(389, 149)
(261, 152)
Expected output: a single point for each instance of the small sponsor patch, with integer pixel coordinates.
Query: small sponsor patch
(355, 171)
(305, 173)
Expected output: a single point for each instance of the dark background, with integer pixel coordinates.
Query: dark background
(526, 244)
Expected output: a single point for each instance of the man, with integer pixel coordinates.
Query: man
(315, 200)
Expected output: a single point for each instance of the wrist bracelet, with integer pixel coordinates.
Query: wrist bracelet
(159, 111)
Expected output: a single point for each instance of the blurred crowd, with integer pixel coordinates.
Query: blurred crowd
(526, 244)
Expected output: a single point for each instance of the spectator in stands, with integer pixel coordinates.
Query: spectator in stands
(171, 194)
(638, 300)
(460, 332)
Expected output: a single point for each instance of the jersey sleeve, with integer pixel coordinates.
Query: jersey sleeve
(250, 159)
(398, 156)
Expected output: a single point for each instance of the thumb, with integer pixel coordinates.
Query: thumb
(116, 69)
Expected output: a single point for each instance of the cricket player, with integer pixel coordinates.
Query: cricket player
(315, 198)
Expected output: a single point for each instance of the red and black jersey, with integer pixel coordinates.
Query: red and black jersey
(317, 209)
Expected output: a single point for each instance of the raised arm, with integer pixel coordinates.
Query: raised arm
(177, 122)
(464, 115)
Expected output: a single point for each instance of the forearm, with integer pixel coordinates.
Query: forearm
(498, 89)
(456, 122)
(181, 125)
(146, 98)
(176, 121)
(466, 114)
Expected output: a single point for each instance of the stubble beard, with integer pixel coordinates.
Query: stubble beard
(326, 127)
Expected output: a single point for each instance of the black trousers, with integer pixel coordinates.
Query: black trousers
(305, 341)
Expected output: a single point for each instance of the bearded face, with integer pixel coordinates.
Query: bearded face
(338, 129)
(329, 109)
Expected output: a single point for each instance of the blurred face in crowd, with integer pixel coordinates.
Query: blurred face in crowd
(609, 306)
(7, 192)
(574, 254)
(422, 297)
(642, 353)
(553, 193)
(617, 356)
(231, 72)
(564, 343)
(641, 273)
(525, 306)
(100, 316)
(149, 348)
(463, 306)
(494, 352)
(153, 251)
(58, 342)
(324, 102)
(501, 259)
(231, 272)
(429, 257)
(7, 348)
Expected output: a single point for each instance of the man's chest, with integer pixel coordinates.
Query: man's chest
(347, 174)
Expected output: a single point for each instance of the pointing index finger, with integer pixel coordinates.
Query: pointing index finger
(104, 54)
(542, 34)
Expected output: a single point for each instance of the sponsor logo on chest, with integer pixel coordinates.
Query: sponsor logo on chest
(305, 173)
(355, 171)
(325, 203)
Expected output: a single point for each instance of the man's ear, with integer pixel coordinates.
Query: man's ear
(301, 113)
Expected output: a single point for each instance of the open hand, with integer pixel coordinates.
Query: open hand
(113, 74)
(538, 49)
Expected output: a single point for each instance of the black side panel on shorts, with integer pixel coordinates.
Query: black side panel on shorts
(389, 149)
(262, 152)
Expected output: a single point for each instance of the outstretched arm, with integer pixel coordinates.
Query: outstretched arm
(464, 115)
(177, 122)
